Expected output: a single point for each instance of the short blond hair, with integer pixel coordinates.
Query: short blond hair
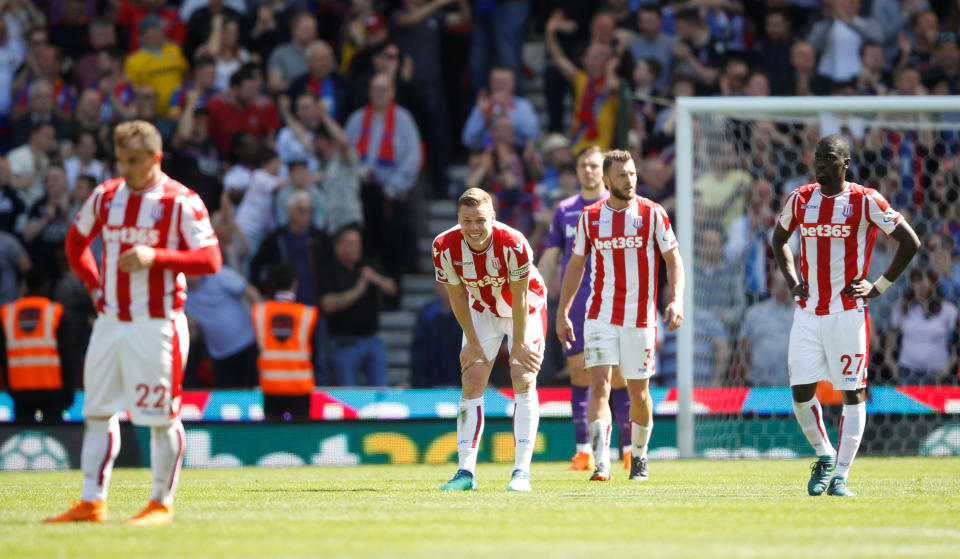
(616, 155)
(474, 198)
(127, 132)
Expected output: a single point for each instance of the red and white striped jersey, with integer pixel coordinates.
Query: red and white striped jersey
(836, 239)
(486, 275)
(167, 215)
(626, 246)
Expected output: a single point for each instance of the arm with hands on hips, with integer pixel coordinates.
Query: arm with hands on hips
(571, 283)
(472, 352)
(676, 280)
(521, 352)
(907, 246)
(784, 257)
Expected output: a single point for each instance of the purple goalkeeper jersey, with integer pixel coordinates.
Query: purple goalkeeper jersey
(563, 230)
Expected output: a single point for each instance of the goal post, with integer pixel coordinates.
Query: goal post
(705, 126)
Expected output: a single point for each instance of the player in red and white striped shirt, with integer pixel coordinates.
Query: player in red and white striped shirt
(626, 236)
(829, 340)
(495, 291)
(154, 231)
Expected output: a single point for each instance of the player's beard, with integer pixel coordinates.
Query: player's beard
(620, 193)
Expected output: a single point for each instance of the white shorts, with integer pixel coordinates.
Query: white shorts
(833, 347)
(491, 330)
(632, 348)
(137, 367)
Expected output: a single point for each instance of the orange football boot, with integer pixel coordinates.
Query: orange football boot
(582, 461)
(627, 455)
(155, 514)
(84, 511)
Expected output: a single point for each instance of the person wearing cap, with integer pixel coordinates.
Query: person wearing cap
(364, 28)
(500, 99)
(555, 150)
(158, 63)
(288, 61)
(130, 14)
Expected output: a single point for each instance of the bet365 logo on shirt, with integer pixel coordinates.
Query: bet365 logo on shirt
(618, 242)
(826, 230)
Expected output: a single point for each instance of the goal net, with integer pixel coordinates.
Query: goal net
(737, 160)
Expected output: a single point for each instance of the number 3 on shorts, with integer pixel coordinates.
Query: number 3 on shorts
(847, 361)
(161, 392)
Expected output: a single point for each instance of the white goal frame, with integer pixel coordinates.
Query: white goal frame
(689, 106)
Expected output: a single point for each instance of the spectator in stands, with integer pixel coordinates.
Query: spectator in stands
(350, 297)
(595, 89)
(696, 52)
(255, 212)
(323, 82)
(69, 32)
(194, 157)
(291, 146)
(721, 188)
(37, 41)
(500, 100)
(131, 14)
(838, 38)
(40, 110)
(387, 58)
(556, 153)
(764, 336)
(87, 119)
(771, 52)
(13, 209)
(12, 51)
(227, 51)
(49, 67)
(711, 352)
(102, 35)
(656, 182)
(38, 332)
(375, 34)
(435, 344)
(220, 304)
(288, 61)
(872, 79)
(498, 31)
(201, 23)
(945, 63)
(387, 142)
(46, 229)
(916, 48)
(908, 82)
(355, 32)
(653, 42)
(941, 247)
(145, 108)
(341, 176)
(643, 110)
(748, 238)
(271, 24)
(241, 111)
(803, 80)
(115, 91)
(29, 162)
(84, 161)
(725, 295)
(14, 262)
(926, 325)
(733, 80)
(895, 17)
(509, 175)
(287, 338)
(159, 62)
(236, 179)
(301, 180)
(203, 80)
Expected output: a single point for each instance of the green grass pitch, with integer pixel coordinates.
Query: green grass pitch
(906, 507)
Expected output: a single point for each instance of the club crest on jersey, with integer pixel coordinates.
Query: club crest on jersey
(638, 222)
(156, 213)
(847, 210)
(495, 263)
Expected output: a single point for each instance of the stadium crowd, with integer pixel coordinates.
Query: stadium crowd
(316, 130)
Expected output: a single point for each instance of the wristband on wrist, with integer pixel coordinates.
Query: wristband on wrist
(882, 284)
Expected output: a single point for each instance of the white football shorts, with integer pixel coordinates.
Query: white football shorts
(491, 330)
(833, 347)
(633, 349)
(136, 366)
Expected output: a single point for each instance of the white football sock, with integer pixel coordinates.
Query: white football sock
(101, 444)
(810, 417)
(526, 419)
(640, 436)
(599, 432)
(852, 423)
(167, 445)
(469, 431)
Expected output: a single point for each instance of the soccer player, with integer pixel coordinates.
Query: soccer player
(626, 235)
(154, 231)
(495, 291)
(829, 340)
(563, 230)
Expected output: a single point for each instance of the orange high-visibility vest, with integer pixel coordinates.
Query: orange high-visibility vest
(30, 325)
(284, 335)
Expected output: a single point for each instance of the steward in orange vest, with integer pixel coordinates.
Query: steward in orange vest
(285, 331)
(31, 351)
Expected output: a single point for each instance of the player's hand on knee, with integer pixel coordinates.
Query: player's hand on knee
(136, 258)
(470, 354)
(526, 356)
